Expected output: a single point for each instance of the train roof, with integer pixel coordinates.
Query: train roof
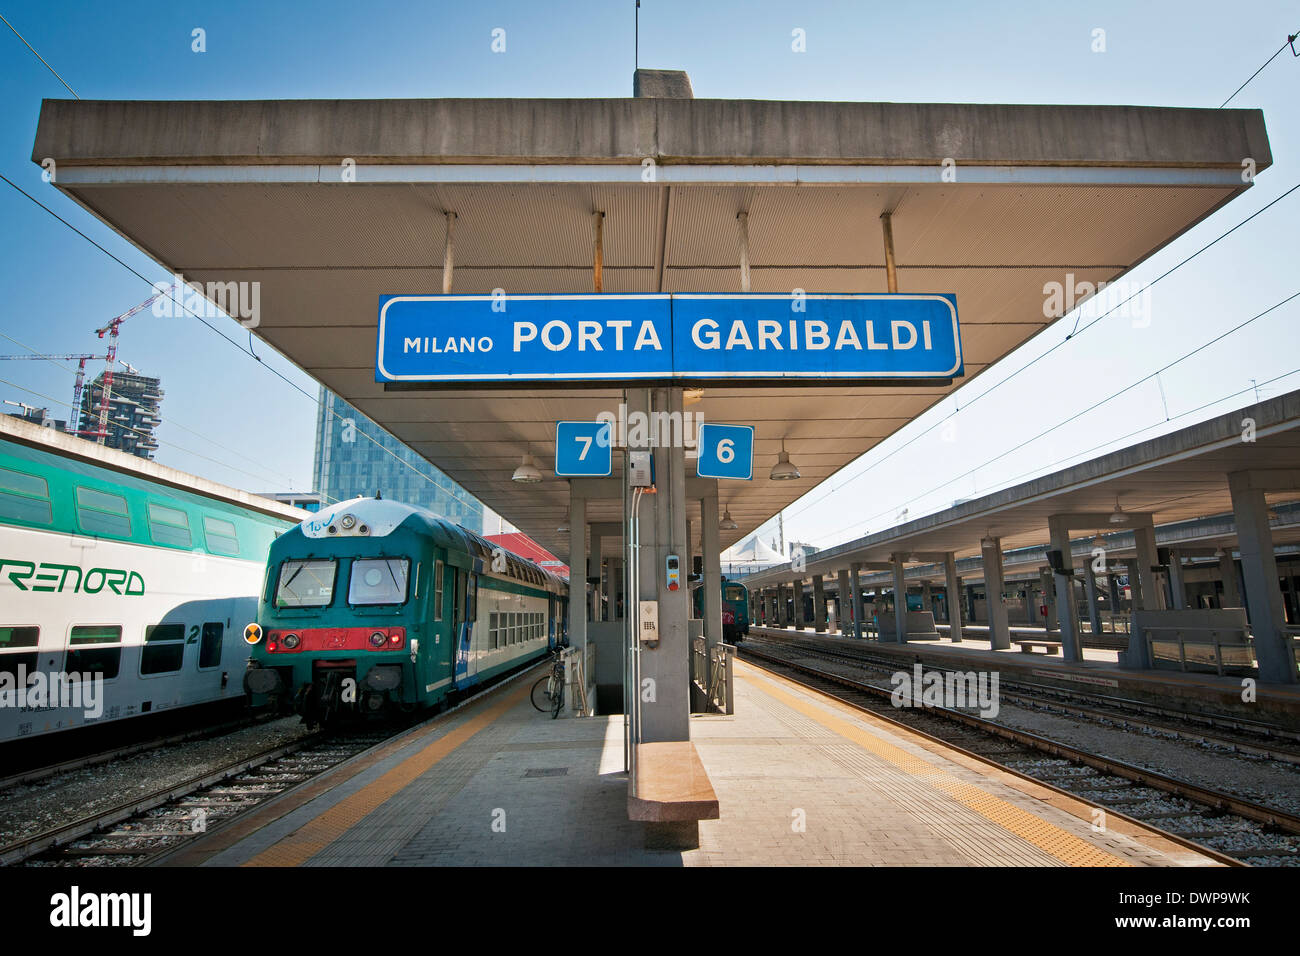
(381, 516)
(78, 449)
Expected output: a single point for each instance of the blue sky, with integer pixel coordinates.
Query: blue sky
(58, 288)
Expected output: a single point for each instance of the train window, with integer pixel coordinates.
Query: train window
(378, 581)
(13, 660)
(306, 583)
(101, 512)
(210, 644)
(169, 526)
(437, 591)
(221, 536)
(164, 649)
(734, 593)
(492, 630)
(24, 497)
(88, 653)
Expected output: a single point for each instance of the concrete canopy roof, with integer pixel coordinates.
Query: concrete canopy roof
(1176, 477)
(253, 191)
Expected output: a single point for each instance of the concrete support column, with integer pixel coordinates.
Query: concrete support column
(1067, 608)
(800, 618)
(578, 604)
(1090, 586)
(999, 631)
(1264, 604)
(927, 597)
(664, 691)
(712, 569)
(1228, 570)
(819, 603)
(844, 603)
(1049, 598)
(1177, 588)
(1145, 580)
(596, 571)
(855, 585)
(900, 601)
(953, 597)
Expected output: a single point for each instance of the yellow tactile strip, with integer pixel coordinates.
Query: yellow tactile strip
(312, 837)
(1031, 828)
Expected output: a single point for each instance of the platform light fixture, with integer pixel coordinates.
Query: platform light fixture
(783, 470)
(727, 523)
(1118, 516)
(563, 527)
(527, 472)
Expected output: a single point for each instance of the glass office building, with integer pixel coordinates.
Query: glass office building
(354, 456)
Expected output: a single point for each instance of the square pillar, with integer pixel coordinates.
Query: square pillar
(712, 569)
(800, 617)
(596, 570)
(578, 604)
(1177, 589)
(999, 631)
(844, 603)
(1228, 571)
(819, 603)
(1067, 608)
(953, 594)
(855, 586)
(1264, 604)
(1090, 587)
(900, 601)
(1049, 598)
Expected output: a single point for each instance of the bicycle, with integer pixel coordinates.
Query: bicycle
(551, 687)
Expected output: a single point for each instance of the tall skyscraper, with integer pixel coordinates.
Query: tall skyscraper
(133, 412)
(349, 463)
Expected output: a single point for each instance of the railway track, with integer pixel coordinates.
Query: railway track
(1233, 733)
(144, 828)
(1194, 815)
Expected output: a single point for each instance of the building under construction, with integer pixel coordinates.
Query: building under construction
(133, 413)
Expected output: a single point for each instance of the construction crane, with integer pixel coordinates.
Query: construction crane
(111, 330)
(81, 361)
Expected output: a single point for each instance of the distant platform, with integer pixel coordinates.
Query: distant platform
(801, 780)
(1099, 671)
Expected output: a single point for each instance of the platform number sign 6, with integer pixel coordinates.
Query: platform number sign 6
(726, 451)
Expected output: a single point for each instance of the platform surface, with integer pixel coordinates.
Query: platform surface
(801, 780)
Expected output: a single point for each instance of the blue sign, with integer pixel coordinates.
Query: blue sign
(726, 451)
(668, 338)
(583, 450)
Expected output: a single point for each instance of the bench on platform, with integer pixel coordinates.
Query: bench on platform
(672, 793)
(1027, 646)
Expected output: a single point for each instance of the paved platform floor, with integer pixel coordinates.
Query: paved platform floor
(801, 780)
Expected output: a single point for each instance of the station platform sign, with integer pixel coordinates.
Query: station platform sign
(680, 338)
(584, 450)
(725, 451)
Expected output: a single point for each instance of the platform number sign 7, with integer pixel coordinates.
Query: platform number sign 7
(583, 450)
(726, 451)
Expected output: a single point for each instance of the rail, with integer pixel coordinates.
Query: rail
(712, 672)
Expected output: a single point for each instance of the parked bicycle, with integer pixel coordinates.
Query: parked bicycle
(548, 692)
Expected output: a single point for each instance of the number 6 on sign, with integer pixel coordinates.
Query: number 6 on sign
(726, 451)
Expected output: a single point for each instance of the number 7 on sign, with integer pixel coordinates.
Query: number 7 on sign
(583, 450)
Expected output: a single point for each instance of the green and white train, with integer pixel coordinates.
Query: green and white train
(373, 605)
(124, 585)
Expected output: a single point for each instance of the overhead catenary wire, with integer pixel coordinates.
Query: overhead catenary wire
(39, 57)
(1290, 41)
(454, 493)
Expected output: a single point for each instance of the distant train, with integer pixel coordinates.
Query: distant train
(124, 586)
(735, 609)
(376, 606)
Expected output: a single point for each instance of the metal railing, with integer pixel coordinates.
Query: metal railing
(1192, 649)
(577, 665)
(712, 672)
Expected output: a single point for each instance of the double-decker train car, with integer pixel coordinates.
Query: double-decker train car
(373, 605)
(124, 585)
(735, 609)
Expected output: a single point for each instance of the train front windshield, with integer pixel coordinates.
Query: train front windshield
(306, 583)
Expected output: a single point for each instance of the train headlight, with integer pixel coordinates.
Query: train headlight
(378, 639)
(347, 521)
(291, 641)
(252, 633)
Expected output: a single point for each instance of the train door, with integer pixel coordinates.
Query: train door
(464, 608)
